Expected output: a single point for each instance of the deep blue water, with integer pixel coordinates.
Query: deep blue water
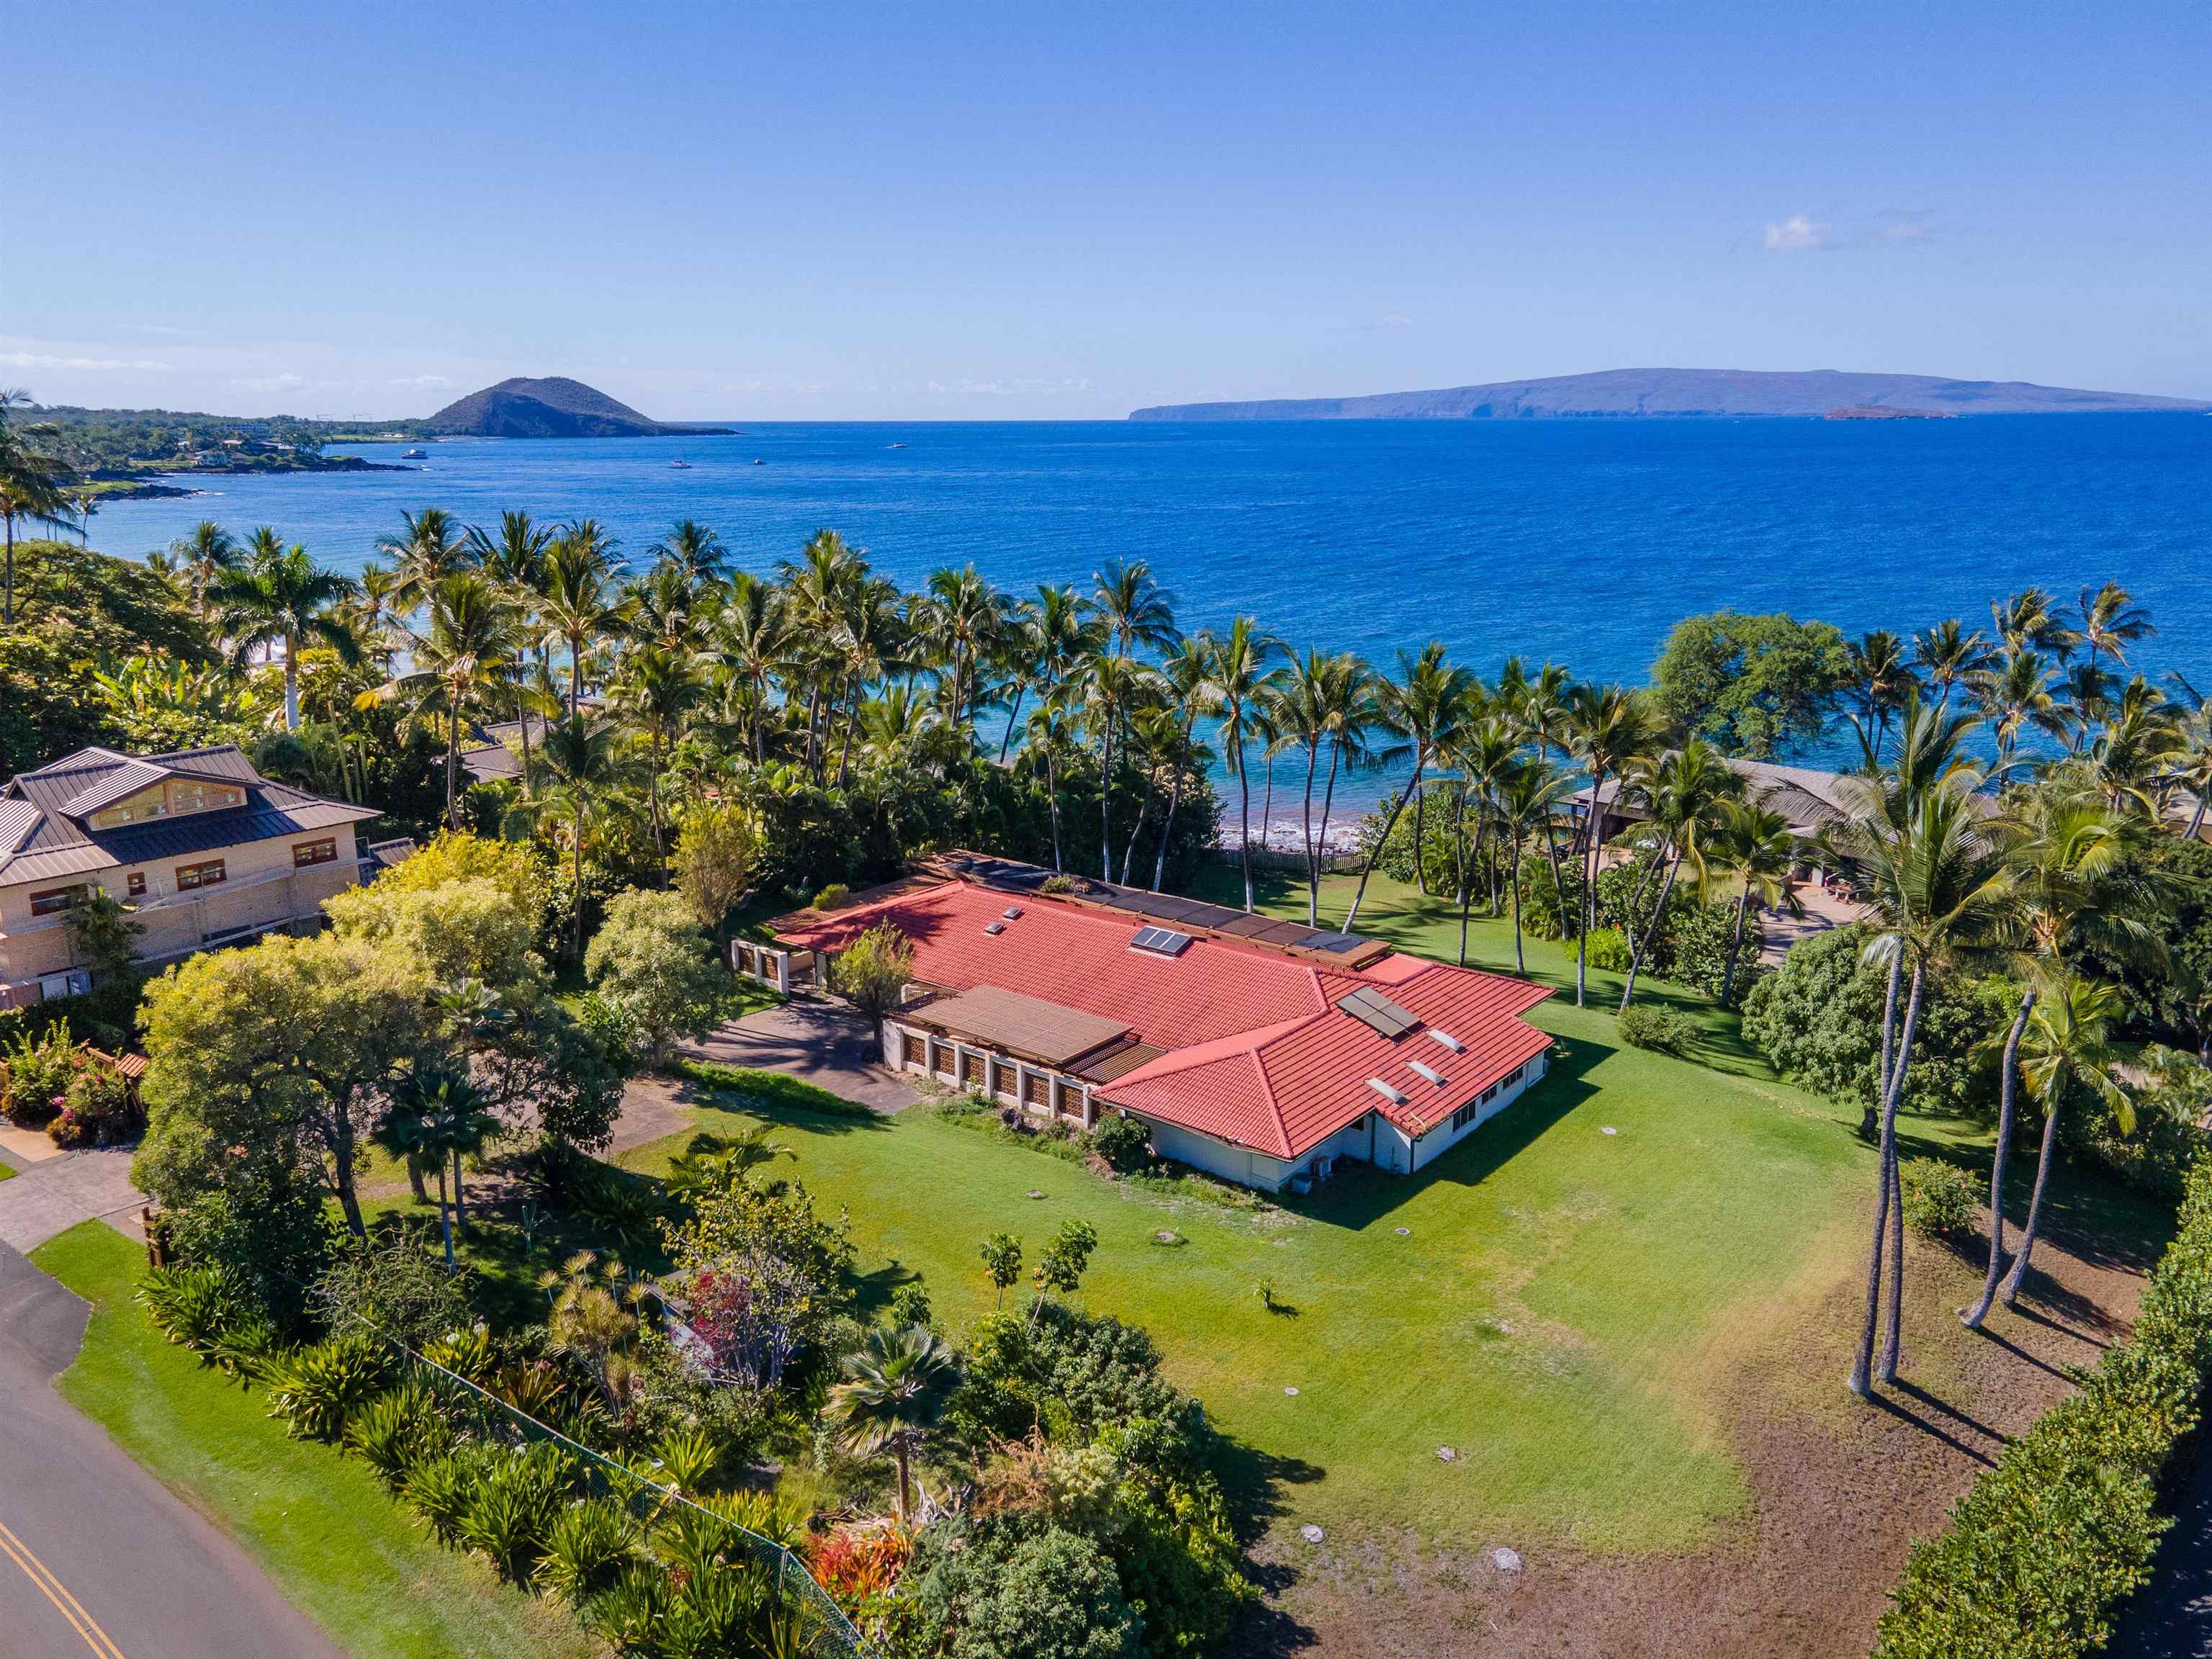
(1580, 542)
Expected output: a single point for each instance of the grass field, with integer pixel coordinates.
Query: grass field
(320, 1525)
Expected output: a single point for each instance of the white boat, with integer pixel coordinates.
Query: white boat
(414, 455)
(685, 465)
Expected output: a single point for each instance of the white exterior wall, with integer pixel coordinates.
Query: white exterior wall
(261, 888)
(1238, 1164)
(1443, 1137)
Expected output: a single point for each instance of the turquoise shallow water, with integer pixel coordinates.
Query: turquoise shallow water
(1580, 541)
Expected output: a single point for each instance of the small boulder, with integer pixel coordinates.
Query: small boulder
(1506, 1561)
(1448, 1454)
(1311, 1534)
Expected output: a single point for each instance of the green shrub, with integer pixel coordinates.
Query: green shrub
(395, 1432)
(627, 1614)
(767, 1090)
(442, 1489)
(832, 896)
(1123, 1142)
(35, 1073)
(1609, 949)
(511, 1514)
(586, 1550)
(1940, 1198)
(193, 1306)
(316, 1387)
(2044, 1547)
(1663, 1030)
(1061, 884)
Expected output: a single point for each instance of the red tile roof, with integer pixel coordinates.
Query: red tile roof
(1257, 1051)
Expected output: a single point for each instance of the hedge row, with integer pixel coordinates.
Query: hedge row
(768, 1091)
(2044, 1547)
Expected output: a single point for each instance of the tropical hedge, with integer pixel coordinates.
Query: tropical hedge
(2042, 1551)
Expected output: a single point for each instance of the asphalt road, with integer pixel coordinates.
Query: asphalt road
(97, 1558)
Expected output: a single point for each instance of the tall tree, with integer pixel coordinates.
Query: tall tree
(281, 596)
(32, 488)
(1417, 712)
(1684, 790)
(580, 602)
(432, 546)
(1329, 703)
(892, 1396)
(463, 659)
(1604, 729)
(1237, 675)
(201, 554)
(1949, 655)
(2066, 1048)
(1754, 844)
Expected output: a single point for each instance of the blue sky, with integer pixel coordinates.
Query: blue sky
(1065, 211)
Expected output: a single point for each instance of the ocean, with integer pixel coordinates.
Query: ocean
(1577, 541)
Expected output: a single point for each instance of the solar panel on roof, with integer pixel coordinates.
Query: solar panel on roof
(1372, 1009)
(1161, 941)
(1335, 944)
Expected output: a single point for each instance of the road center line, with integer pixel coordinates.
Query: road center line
(58, 1593)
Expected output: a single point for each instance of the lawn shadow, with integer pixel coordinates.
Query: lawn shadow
(1364, 1195)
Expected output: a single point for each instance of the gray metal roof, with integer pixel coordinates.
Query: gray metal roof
(44, 835)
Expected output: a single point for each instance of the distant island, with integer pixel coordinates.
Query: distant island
(1689, 393)
(550, 408)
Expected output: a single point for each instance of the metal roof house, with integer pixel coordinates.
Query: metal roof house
(202, 849)
(1259, 1050)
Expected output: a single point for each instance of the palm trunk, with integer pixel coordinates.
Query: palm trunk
(522, 709)
(8, 611)
(1862, 1364)
(460, 1213)
(576, 879)
(1244, 821)
(1136, 829)
(2027, 1234)
(1650, 929)
(1175, 800)
(1463, 872)
(1735, 949)
(1106, 798)
(2196, 818)
(1591, 834)
(1359, 893)
(1520, 962)
(575, 676)
(1313, 870)
(1867, 1119)
(1980, 1310)
(1892, 1346)
(1052, 800)
(905, 1480)
(1013, 718)
(1321, 850)
(445, 1216)
(415, 1186)
(1266, 801)
(291, 680)
(453, 771)
(1420, 869)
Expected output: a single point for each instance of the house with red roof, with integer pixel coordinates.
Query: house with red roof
(1259, 1050)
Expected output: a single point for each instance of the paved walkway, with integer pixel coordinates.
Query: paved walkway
(814, 1039)
(1823, 911)
(97, 1558)
(52, 1196)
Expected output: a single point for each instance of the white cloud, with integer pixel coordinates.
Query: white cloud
(283, 382)
(423, 380)
(1914, 225)
(49, 360)
(1796, 233)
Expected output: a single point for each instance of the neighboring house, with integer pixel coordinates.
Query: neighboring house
(202, 849)
(1807, 798)
(496, 756)
(1259, 1050)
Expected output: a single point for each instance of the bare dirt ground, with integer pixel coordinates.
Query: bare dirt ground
(1838, 1492)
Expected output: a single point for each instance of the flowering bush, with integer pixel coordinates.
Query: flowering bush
(97, 1107)
(856, 1566)
(34, 1075)
(752, 1309)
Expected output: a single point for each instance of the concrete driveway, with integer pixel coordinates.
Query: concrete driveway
(816, 1040)
(53, 1195)
(97, 1557)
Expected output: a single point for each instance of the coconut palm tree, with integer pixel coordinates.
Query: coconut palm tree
(581, 767)
(2079, 879)
(745, 641)
(2030, 620)
(870, 641)
(967, 618)
(1534, 790)
(1537, 704)
(2067, 1048)
(2133, 758)
(1327, 705)
(1051, 739)
(893, 1394)
(1187, 676)
(1130, 603)
(1605, 729)
(1881, 680)
(1484, 753)
(1948, 655)
(654, 690)
(1418, 711)
(1111, 685)
(463, 660)
(580, 602)
(1754, 844)
(696, 549)
(1686, 789)
(515, 559)
(816, 586)
(1235, 675)
(1940, 889)
(282, 596)
(200, 556)
(438, 1116)
(432, 547)
(2014, 697)
(2192, 756)
(31, 491)
(2111, 622)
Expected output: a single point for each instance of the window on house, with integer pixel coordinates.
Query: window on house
(146, 804)
(136, 881)
(1513, 1076)
(189, 875)
(305, 853)
(1491, 1093)
(1465, 1116)
(54, 899)
(186, 796)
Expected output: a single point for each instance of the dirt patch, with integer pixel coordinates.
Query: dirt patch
(1839, 1490)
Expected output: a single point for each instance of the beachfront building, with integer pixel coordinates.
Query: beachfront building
(201, 849)
(1263, 1051)
(1807, 798)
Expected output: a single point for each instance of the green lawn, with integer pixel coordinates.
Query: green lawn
(1566, 1307)
(321, 1526)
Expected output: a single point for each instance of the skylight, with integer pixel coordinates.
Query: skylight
(1421, 1071)
(1372, 1009)
(1448, 1040)
(1395, 1096)
(1011, 912)
(1160, 941)
(994, 928)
